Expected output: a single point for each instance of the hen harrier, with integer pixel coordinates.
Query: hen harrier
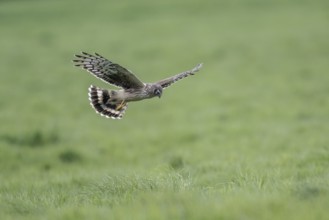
(113, 103)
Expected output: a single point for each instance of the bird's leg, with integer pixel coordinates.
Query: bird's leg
(120, 105)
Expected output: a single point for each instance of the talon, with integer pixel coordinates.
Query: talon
(120, 105)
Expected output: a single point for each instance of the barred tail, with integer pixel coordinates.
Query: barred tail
(100, 100)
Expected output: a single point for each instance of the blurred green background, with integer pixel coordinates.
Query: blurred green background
(245, 138)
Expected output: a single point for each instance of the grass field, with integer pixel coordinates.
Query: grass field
(245, 138)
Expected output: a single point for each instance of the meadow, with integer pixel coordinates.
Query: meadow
(245, 138)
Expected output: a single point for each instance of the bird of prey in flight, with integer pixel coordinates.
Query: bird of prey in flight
(113, 103)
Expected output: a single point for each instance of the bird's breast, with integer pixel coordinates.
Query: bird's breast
(131, 95)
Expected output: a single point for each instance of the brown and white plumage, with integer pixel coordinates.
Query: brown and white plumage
(113, 103)
(169, 81)
(100, 101)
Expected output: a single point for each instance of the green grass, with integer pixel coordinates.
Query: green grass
(246, 138)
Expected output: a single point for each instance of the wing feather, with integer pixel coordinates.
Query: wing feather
(107, 71)
(169, 81)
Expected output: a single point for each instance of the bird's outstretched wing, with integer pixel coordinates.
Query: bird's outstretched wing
(167, 82)
(108, 71)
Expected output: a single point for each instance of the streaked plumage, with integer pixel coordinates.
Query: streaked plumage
(113, 103)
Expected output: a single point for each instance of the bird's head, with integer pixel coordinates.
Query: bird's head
(157, 90)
